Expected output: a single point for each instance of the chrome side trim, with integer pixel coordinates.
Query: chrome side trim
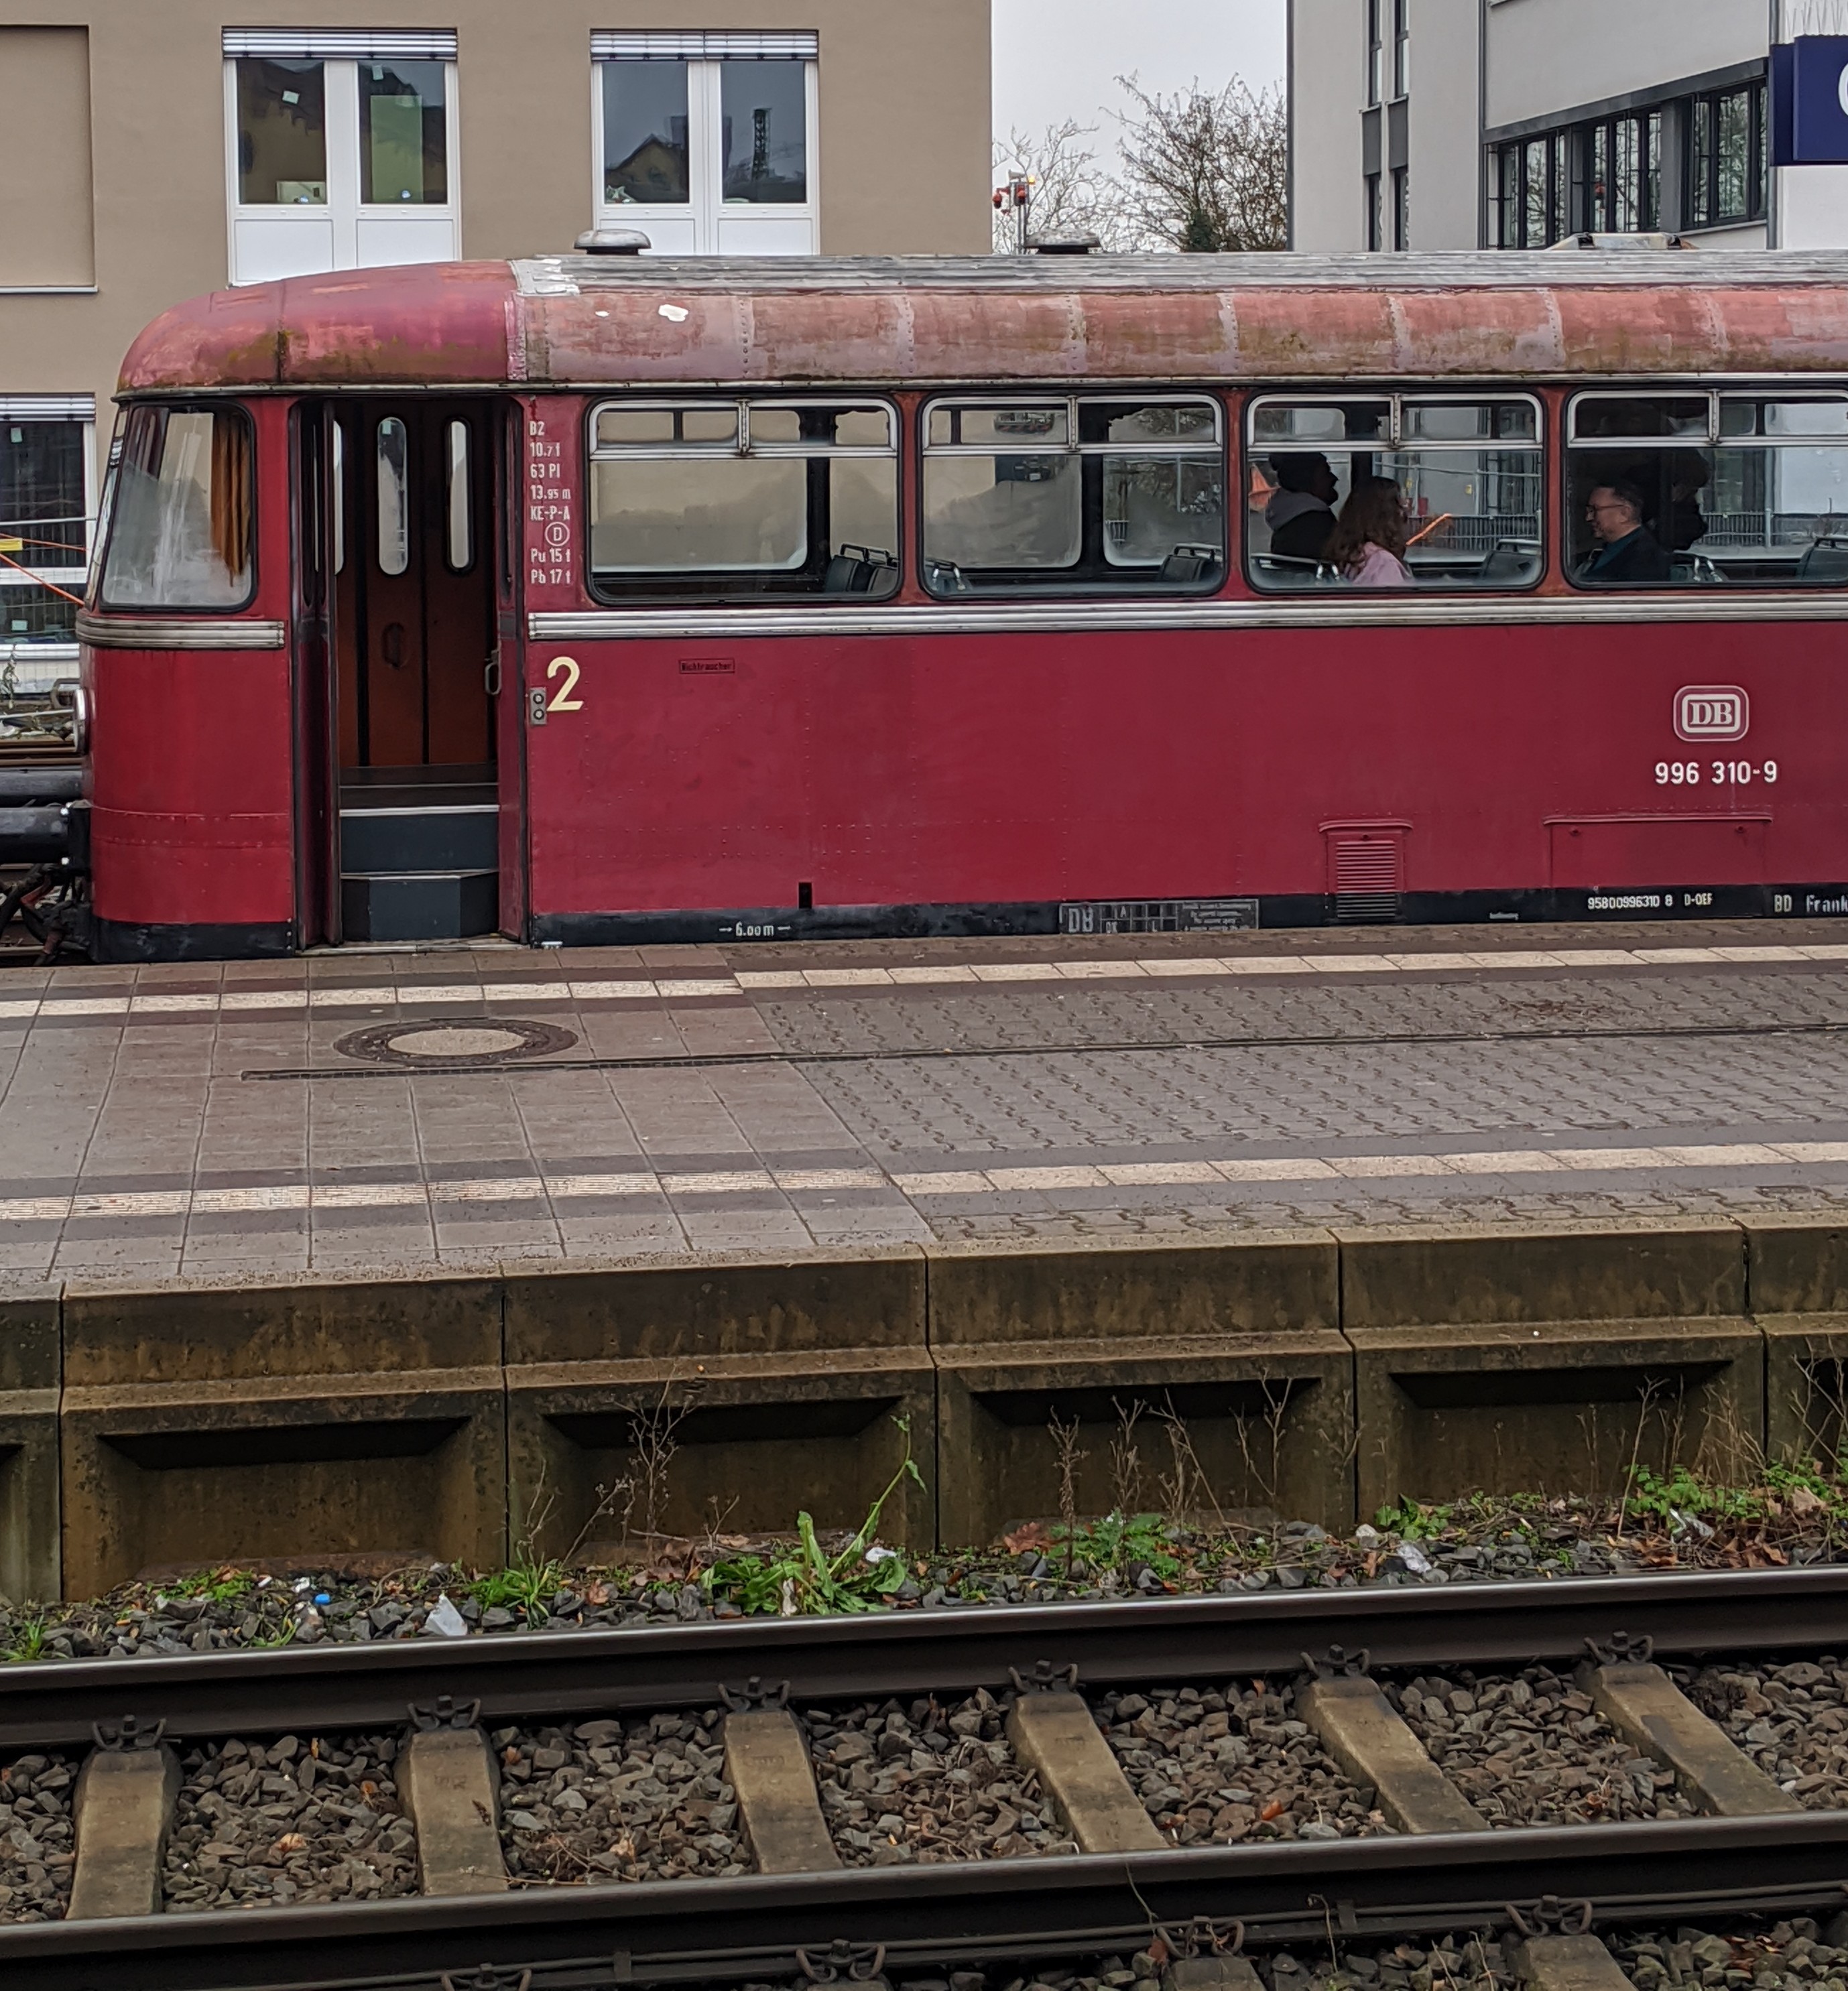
(1117, 618)
(150, 632)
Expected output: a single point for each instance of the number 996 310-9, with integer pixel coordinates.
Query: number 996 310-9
(1718, 774)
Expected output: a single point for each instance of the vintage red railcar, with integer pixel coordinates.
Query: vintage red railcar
(598, 599)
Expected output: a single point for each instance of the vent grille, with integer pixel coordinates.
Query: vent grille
(1366, 875)
(710, 44)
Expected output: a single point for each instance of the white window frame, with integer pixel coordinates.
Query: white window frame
(707, 224)
(347, 220)
(20, 409)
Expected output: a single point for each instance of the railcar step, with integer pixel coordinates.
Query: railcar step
(419, 905)
(421, 839)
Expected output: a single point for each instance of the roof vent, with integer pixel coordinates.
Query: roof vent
(1645, 241)
(611, 242)
(1065, 245)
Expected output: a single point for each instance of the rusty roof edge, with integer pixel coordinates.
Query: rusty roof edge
(569, 276)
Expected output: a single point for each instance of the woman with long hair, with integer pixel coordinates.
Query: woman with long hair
(1368, 543)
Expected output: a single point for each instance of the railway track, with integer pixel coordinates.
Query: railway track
(1434, 1866)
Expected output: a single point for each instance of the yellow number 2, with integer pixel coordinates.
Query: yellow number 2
(562, 700)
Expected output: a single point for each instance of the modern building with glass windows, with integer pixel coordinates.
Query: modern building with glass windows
(155, 151)
(1516, 123)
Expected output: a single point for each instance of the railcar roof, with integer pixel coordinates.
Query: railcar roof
(600, 321)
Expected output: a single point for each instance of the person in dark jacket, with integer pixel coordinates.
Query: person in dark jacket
(1627, 555)
(1301, 510)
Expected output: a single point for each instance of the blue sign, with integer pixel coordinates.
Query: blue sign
(1809, 101)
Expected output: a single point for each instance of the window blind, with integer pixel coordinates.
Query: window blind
(47, 407)
(343, 44)
(711, 44)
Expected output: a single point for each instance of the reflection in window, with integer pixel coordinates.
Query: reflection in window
(744, 499)
(644, 156)
(181, 535)
(1714, 490)
(281, 133)
(394, 496)
(1726, 157)
(765, 120)
(403, 143)
(1096, 494)
(1468, 473)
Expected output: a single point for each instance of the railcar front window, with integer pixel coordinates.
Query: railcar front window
(1468, 474)
(1086, 494)
(181, 530)
(744, 500)
(1714, 490)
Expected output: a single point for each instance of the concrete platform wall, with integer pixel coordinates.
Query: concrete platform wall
(1318, 1375)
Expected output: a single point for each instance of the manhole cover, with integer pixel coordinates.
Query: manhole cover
(493, 1040)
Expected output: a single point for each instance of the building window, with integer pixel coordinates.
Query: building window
(706, 141)
(47, 511)
(1402, 47)
(1604, 176)
(1376, 216)
(1726, 154)
(1402, 208)
(1532, 185)
(342, 150)
(1376, 54)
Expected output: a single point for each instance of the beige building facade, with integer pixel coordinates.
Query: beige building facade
(158, 149)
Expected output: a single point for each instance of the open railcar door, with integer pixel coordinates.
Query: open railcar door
(405, 495)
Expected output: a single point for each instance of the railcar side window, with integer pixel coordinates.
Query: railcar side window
(1086, 493)
(744, 500)
(1746, 488)
(1444, 489)
(181, 535)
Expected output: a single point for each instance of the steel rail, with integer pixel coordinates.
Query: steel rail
(690, 1932)
(522, 1675)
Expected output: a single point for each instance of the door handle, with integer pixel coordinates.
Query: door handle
(491, 675)
(392, 644)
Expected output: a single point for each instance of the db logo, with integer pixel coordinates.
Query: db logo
(1712, 712)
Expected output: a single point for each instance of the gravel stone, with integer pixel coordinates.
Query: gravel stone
(276, 1824)
(1214, 1767)
(1791, 1721)
(1789, 1956)
(927, 1782)
(36, 1853)
(643, 1799)
(1526, 1749)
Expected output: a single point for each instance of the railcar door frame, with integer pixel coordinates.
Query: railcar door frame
(312, 529)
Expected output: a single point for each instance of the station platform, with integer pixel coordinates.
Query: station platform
(376, 1111)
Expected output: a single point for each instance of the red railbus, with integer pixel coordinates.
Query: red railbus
(600, 600)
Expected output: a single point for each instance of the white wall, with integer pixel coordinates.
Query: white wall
(1445, 152)
(1549, 55)
(1328, 85)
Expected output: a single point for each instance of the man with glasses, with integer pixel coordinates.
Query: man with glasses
(1628, 554)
